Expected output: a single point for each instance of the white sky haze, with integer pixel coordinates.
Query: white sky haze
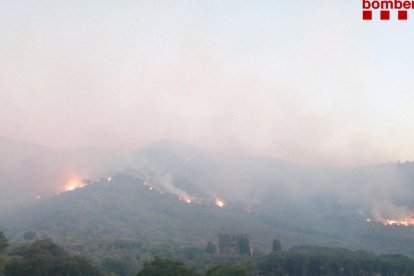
(307, 81)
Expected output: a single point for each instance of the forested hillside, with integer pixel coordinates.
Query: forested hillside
(172, 199)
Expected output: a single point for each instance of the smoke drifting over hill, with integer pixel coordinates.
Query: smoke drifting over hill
(229, 77)
(377, 193)
(96, 83)
(134, 129)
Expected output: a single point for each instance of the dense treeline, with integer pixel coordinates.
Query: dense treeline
(44, 257)
(301, 261)
(327, 261)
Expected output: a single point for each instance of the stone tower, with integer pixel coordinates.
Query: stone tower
(234, 244)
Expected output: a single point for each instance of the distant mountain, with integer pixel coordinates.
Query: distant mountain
(124, 208)
(27, 170)
(166, 193)
(379, 191)
(238, 177)
(19, 163)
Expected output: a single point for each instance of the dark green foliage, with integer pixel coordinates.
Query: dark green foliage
(118, 265)
(29, 236)
(45, 258)
(4, 243)
(46, 246)
(165, 267)
(87, 220)
(211, 248)
(127, 244)
(227, 270)
(277, 246)
(189, 253)
(327, 261)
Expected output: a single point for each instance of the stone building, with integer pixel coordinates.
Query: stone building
(234, 244)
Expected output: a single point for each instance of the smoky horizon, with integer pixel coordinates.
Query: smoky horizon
(222, 76)
(206, 138)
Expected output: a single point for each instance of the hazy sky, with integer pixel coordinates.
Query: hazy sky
(302, 80)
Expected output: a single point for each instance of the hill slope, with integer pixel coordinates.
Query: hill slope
(266, 198)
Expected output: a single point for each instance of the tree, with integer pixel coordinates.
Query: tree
(4, 243)
(277, 246)
(227, 270)
(189, 253)
(118, 264)
(211, 248)
(29, 236)
(165, 267)
(44, 257)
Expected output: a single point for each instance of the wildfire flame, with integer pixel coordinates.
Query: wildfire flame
(187, 199)
(403, 218)
(219, 202)
(73, 184)
(165, 185)
(399, 222)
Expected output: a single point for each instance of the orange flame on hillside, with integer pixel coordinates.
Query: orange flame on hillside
(73, 184)
(391, 215)
(409, 221)
(219, 202)
(186, 198)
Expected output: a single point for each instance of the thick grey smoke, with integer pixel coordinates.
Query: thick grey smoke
(236, 77)
(91, 81)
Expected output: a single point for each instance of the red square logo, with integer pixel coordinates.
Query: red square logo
(402, 15)
(366, 15)
(385, 15)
